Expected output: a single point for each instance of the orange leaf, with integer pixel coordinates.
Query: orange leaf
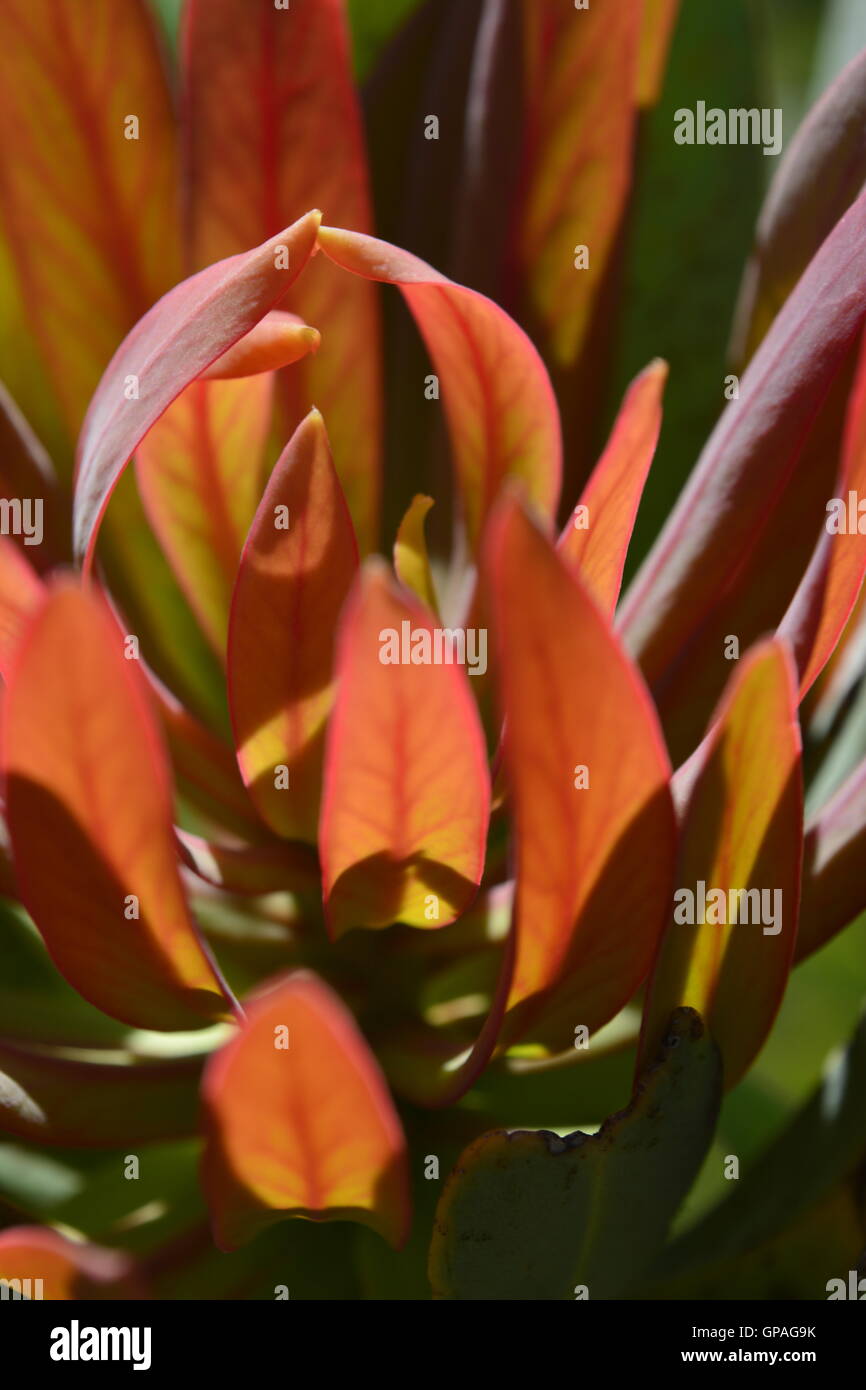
(407, 792)
(498, 398)
(741, 831)
(297, 567)
(90, 820)
(21, 592)
(299, 1121)
(60, 1269)
(580, 72)
(181, 336)
(593, 825)
(596, 537)
(89, 200)
(278, 340)
(200, 473)
(274, 127)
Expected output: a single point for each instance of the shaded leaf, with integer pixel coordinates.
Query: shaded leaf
(530, 1215)
(295, 572)
(200, 473)
(49, 1098)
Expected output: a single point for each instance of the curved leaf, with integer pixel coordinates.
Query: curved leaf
(200, 472)
(295, 572)
(332, 1148)
(595, 540)
(274, 127)
(411, 560)
(741, 832)
(498, 398)
(53, 1099)
(594, 830)
(753, 465)
(827, 152)
(90, 820)
(182, 335)
(406, 797)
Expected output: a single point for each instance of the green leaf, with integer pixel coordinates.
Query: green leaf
(530, 1215)
(821, 1145)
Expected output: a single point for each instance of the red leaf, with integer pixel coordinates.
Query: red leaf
(182, 335)
(331, 1147)
(752, 466)
(498, 398)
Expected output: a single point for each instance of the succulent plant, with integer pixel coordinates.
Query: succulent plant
(390, 908)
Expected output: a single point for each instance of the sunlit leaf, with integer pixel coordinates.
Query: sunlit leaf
(407, 791)
(299, 1121)
(730, 943)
